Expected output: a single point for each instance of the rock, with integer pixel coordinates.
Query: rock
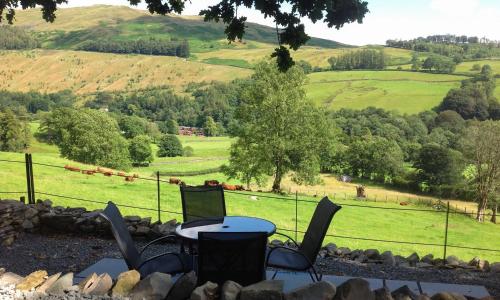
(47, 203)
(145, 222)
(423, 297)
(495, 267)
(63, 283)
(267, 289)
(125, 282)
(404, 292)
(424, 265)
(133, 219)
(331, 249)
(164, 229)
(372, 253)
(354, 289)
(87, 281)
(276, 243)
(9, 278)
(388, 258)
(2, 271)
(35, 220)
(48, 283)
(343, 251)
(155, 287)
(452, 261)
(142, 230)
(429, 259)
(230, 290)
(383, 294)
(100, 286)
(8, 241)
(183, 287)
(131, 229)
(448, 296)
(356, 253)
(27, 225)
(208, 291)
(321, 290)
(32, 281)
(361, 258)
(413, 259)
(30, 213)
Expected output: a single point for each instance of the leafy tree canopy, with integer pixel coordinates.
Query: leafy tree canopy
(140, 150)
(169, 146)
(286, 13)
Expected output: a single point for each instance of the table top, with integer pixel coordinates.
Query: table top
(226, 224)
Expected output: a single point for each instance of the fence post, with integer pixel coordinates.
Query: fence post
(296, 212)
(28, 183)
(446, 232)
(29, 178)
(158, 191)
(32, 180)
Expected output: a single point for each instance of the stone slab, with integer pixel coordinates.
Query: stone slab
(112, 266)
(393, 285)
(475, 291)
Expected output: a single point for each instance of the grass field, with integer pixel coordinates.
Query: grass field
(353, 220)
(406, 92)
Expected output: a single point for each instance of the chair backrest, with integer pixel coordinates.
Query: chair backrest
(122, 235)
(200, 202)
(236, 256)
(318, 227)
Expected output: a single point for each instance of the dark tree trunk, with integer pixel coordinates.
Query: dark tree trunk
(494, 215)
(481, 209)
(277, 183)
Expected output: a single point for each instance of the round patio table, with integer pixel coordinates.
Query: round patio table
(190, 229)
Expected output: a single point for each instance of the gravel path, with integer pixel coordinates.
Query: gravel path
(55, 253)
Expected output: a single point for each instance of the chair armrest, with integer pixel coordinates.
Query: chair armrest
(287, 236)
(156, 241)
(165, 254)
(291, 250)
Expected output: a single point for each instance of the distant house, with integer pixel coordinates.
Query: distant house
(184, 130)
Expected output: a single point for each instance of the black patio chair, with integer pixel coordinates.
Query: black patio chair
(199, 202)
(303, 258)
(236, 256)
(171, 263)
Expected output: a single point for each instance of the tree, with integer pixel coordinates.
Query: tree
(171, 126)
(438, 165)
(14, 133)
(480, 144)
(416, 63)
(279, 130)
(132, 126)
(476, 67)
(88, 136)
(210, 127)
(140, 150)
(169, 146)
(306, 66)
(335, 13)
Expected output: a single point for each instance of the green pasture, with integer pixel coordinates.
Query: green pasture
(351, 221)
(466, 67)
(406, 92)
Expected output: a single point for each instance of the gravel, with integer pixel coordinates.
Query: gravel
(61, 253)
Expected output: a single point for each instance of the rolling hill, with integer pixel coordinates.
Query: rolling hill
(73, 26)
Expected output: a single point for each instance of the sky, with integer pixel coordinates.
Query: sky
(388, 19)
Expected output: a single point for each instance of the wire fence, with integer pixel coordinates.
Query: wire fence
(293, 211)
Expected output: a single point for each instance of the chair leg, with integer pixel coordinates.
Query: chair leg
(274, 275)
(310, 274)
(318, 275)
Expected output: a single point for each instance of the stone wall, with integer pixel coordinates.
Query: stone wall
(11, 220)
(43, 217)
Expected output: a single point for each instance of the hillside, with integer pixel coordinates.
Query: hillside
(89, 72)
(76, 25)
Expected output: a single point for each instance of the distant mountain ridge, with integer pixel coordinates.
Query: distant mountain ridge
(73, 26)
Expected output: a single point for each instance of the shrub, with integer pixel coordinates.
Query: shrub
(188, 151)
(140, 150)
(170, 146)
